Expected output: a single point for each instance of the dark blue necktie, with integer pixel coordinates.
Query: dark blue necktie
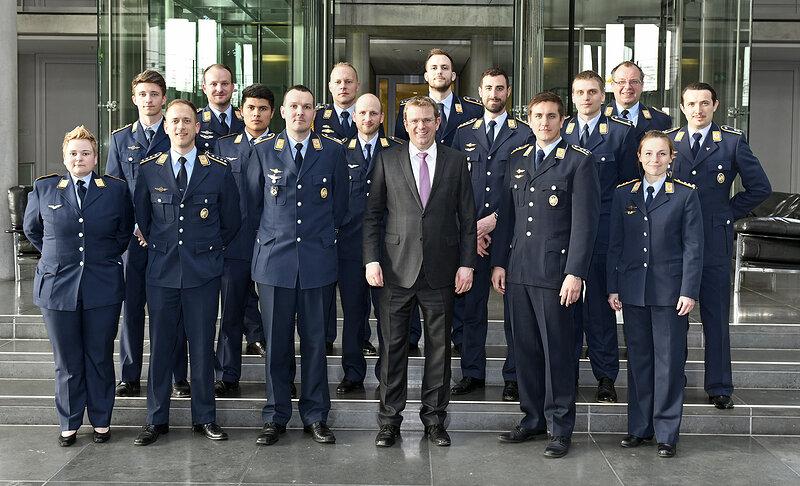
(81, 191)
(585, 135)
(539, 158)
(696, 147)
(443, 124)
(298, 156)
(346, 120)
(368, 153)
(490, 133)
(183, 176)
(649, 199)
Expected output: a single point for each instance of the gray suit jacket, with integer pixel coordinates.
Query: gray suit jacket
(439, 238)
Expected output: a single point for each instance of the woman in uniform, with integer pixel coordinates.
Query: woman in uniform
(82, 224)
(654, 266)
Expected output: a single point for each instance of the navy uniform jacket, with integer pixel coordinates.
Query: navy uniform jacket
(81, 247)
(326, 122)
(671, 232)
(461, 110)
(487, 166)
(185, 236)
(724, 154)
(235, 149)
(301, 212)
(128, 147)
(211, 129)
(649, 119)
(548, 216)
(360, 176)
(614, 146)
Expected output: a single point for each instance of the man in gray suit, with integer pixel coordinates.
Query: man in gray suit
(429, 254)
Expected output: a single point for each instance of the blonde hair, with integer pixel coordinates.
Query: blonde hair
(79, 133)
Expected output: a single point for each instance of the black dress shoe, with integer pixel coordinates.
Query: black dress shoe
(320, 433)
(150, 433)
(368, 349)
(510, 392)
(328, 349)
(457, 349)
(666, 450)
(605, 391)
(722, 402)
(222, 387)
(181, 389)
(128, 388)
(437, 435)
(269, 433)
(387, 435)
(467, 384)
(558, 447)
(68, 440)
(100, 437)
(520, 434)
(349, 386)
(258, 348)
(293, 390)
(211, 430)
(630, 441)
(413, 346)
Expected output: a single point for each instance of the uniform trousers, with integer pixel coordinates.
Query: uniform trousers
(197, 308)
(543, 346)
(715, 305)
(131, 333)
(253, 330)
(83, 350)
(396, 309)
(278, 308)
(235, 294)
(656, 337)
(354, 292)
(595, 318)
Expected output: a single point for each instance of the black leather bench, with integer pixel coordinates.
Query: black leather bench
(24, 251)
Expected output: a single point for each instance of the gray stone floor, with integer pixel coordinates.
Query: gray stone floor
(30, 455)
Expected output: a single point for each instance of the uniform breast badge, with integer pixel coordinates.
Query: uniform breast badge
(323, 192)
(203, 213)
(553, 200)
(720, 177)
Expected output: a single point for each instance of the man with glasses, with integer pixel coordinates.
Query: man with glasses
(627, 81)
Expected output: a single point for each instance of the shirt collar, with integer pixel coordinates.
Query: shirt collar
(592, 123)
(703, 132)
(153, 126)
(371, 141)
(633, 111)
(250, 137)
(293, 142)
(189, 158)
(656, 185)
(227, 112)
(549, 148)
(413, 151)
(339, 111)
(500, 120)
(447, 102)
(87, 179)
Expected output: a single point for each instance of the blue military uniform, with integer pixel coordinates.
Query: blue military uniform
(548, 220)
(326, 122)
(724, 153)
(211, 128)
(79, 286)
(185, 235)
(295, 264)
(462, 109)
(353, 288)
(614, 146)
(128, 146)
(487, 165)
(655, 257)
(238, 289)
(649, 119)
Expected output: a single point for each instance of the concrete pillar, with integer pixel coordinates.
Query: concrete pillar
(481, 57)
(357, 52)
(9, 128)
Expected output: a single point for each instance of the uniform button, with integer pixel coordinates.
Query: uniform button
(644, 234)
(130, 159)
(530, 204)
(563, 251)
(645, 218)
(299, 186)
(645, 250)
(531, 189)
(369, 181)
(298, 239)
(530, 218)
(719, 167)
(159, 199)
(489, 158)
(527, 233)
(367, 194)
(180, 230)
(181, 206)
(486, 205)
(324, 179)
(205, 201)
(180, 218)
(645, 265)
(515, 186)
(299, 203)
(180, 242)
(727, 221)
(487, 189)
(553, 187)
(351, 178)
(80, 220)
(602, 159)
(694, 172)
(80, 248)
(299, 221)
(80, 235)
(206, 144)
(258, 240)
(80, 263)
(211, 247)
(488, 172)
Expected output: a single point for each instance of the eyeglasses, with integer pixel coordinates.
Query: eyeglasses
(633, 82)
(423, 121)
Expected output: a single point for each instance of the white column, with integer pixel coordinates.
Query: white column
(9, 130)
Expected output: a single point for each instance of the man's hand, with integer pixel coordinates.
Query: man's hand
(374, 275)
(486, 225)
(571, 290)
(140, 237)
(685, 305)
(463, 280)
(483, 244)
(613, 301)
(499, 279)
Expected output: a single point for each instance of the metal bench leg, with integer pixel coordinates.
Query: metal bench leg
(737, 278)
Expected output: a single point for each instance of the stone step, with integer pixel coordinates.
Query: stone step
(30, 402)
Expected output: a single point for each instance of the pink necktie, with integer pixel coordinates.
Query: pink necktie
(424, 179)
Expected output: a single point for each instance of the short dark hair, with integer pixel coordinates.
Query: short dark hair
(494, 71)
(301, 88)
(149, 76)
(591, 76)
(656, 134)
(260, 91)
(628, 64)
(547, 96)
(221, 66)
(183, 102)
(421, 102)
(438, 52)
(698, 86)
